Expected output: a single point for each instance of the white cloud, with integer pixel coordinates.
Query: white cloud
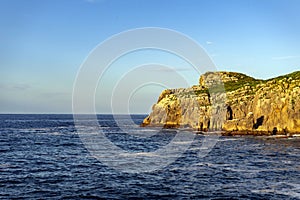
(209, 42)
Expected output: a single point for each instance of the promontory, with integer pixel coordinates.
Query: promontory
(233, 103)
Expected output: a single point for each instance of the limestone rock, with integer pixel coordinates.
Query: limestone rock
(232, 101)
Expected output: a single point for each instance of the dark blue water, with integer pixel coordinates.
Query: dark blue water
(42, 156)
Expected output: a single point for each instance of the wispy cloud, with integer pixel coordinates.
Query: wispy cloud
(55, 94)
(284, 57)
(15, 86)
(209, 42)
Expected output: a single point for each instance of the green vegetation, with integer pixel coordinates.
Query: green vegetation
(235, 85)
(194, 92)
(217, 88)
(245, 81)
(293, 76)
(198, 92)
(238, 81)
(233, 81)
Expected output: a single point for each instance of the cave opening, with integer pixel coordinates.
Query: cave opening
(259, 122)
(229, 113)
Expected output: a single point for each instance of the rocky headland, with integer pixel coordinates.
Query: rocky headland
(233, 103)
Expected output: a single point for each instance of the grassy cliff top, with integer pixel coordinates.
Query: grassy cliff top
(294, 76)
(231, 81)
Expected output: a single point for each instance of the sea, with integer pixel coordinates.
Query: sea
(47, 157)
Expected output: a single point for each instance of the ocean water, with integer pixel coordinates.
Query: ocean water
(42, 156)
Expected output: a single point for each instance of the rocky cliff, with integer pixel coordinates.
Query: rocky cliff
(232, 102)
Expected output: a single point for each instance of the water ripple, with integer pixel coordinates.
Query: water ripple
(42, 157)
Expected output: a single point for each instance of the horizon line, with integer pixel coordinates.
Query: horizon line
(73, 114)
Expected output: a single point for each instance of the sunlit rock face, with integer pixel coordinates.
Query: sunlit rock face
(230, 101)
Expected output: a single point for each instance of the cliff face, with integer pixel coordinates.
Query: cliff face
(232, 101)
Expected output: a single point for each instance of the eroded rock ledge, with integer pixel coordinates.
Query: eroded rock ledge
(232, 102)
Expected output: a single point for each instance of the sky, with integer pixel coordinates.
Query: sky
(43, 44)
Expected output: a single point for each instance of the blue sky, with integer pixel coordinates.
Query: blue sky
(43, 43)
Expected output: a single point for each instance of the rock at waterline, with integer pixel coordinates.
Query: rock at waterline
(232, 102)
